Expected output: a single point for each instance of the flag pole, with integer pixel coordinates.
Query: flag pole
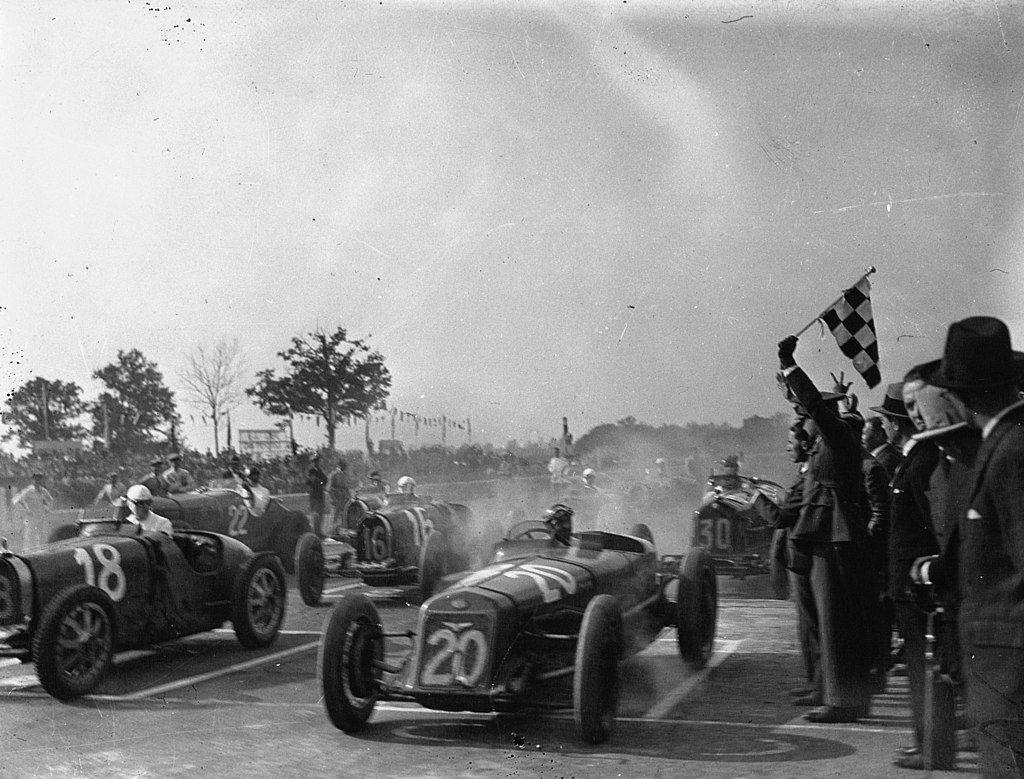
(829, 307)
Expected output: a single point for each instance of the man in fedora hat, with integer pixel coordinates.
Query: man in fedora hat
(155, 482)
(984, 373)
(830, 530)
(911, 535)
(177, 477)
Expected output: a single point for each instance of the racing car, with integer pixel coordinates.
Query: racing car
(400, 540)
(735, 522)
(70, 605)
(505, 636)
(227, 512)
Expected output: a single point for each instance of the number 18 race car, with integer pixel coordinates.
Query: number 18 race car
(499, 638)
(735, 523)
(70, 605)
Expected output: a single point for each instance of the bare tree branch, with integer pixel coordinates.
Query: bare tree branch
(212, 379)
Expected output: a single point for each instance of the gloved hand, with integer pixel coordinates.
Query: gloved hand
(787, 347)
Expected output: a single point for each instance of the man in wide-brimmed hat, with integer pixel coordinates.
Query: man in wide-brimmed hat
(984, 374)
(830, 532)
(911, 535)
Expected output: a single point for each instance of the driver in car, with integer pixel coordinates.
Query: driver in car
(559, 519)
(140, 502)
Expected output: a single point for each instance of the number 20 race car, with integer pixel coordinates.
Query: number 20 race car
(70, 605)
(500, 638)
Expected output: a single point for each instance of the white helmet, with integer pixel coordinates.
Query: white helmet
(407, 484)
(588, 473)
(139, 493)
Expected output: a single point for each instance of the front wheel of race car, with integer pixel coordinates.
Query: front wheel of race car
(258, 601)
(351, 646)
(595, 685)
(74, 643)
(697, 608)
(309, 568)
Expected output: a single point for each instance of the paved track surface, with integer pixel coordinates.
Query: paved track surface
(206, 706)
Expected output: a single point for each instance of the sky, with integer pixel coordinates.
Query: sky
(532, 210)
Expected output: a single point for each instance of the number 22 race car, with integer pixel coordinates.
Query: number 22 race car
(496, 639)
(70, 605)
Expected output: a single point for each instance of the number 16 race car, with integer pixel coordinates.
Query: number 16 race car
(542, 610)
(68, 606)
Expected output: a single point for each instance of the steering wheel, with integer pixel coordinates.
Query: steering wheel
(529, 529)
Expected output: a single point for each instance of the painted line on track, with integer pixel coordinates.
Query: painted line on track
(199, 678)
(670, 701)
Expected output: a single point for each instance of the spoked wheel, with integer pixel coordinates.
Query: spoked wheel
(309, 568)
(258, 601)
(595, 687)
(697, 608)
(350, 647)
(74, 644)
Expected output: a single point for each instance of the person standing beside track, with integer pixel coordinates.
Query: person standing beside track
(31, 506)
(316, 481)
(831, 530)
(985, 374)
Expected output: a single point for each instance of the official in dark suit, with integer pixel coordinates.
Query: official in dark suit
(876, 441)
(981, 368)
(831, 530)
(911, 535)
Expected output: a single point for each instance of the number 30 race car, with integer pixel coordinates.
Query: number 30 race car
(407, 540)
(70, 605)
(499, 638)
(735, 523)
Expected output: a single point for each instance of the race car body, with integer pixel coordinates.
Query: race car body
(502, 637)
(229, 512)
(68, 606)
(401, 540)
(735, 522)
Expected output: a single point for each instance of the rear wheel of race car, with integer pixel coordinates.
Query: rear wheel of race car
(309, 568)
(697, 608)
(258, 601)
(640, 530)
(434, 563)
(595, 685)
(74, 643)
(350, 646)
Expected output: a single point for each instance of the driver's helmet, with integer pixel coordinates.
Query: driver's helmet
(407, 484)
(139, 493)
(589, 475)
(731, 465)
(559, 519)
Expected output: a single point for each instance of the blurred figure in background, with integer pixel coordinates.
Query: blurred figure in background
(32, 507)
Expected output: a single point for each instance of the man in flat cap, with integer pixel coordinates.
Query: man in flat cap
(177, 477)
(155, 481)
(985, 374)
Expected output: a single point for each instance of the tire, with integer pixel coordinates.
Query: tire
(434, 563)
(258, 601)
(309, 568)
(595, 684)
(697, 608)
(640, 530)
(350, 644)
(74, 643)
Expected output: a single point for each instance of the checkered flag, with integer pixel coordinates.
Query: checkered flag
(852, 323)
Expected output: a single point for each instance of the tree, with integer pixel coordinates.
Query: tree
(44, 410)
(333, 377)
(136, 405)
(212, 379)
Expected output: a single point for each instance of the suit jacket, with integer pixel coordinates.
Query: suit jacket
(834, 507)
(992, 540)
(911, 532)
(889, 456)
